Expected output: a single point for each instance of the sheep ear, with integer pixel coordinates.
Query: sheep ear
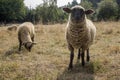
(90, 11)
(68, 10)
(34, 43)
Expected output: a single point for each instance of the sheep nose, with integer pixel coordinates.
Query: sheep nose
(77, 18)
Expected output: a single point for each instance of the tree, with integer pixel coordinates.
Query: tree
(107, 10)
(118, 2)
(86, 4)
(74, 2)
(95, 3)
(12, 10)
(49, 12)
(30, 14)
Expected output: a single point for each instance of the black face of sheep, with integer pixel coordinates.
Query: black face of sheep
(77, 13)
(29, 45)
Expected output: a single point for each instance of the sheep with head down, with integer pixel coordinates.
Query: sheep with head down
(12, 28)
(26, 35)
(80, 32)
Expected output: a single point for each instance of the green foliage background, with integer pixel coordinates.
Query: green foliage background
(50, 13)
(12, 10)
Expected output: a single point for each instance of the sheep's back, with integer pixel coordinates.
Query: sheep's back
(26, 31)
(92, 30)
(27, 27)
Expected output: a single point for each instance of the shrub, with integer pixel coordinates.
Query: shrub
(107, 10)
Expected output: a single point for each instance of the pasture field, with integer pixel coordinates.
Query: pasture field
(49, 58)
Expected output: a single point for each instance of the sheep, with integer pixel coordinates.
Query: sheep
(80, 32)
(13, 27)
(26, 35)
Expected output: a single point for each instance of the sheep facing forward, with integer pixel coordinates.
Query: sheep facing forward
(80, 32)
(26, 35)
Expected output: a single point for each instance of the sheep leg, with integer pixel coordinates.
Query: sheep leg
(71, 57)
(88, 57)
(32, 38)
(71, 60)
(20, 44)
(82, 57)
(79, 54)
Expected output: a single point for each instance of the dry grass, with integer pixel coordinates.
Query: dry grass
(49, 59)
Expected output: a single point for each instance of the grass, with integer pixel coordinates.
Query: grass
(49, 59)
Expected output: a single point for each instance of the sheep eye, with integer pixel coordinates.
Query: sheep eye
(81, 11)
(74, 10)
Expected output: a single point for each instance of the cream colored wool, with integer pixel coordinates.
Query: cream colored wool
(13, 27)
(25, 32)
(80, 35)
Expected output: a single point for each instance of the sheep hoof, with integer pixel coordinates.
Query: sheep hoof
(29, 50)
(88, 59)
(78, 61)
(19, 52)
(83, 64)
(70, 67)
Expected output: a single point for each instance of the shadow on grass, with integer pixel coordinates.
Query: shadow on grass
(10, 52)
(14, 50)
(13, 53)
(78, 73)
